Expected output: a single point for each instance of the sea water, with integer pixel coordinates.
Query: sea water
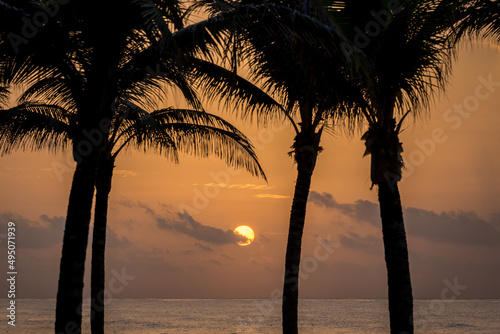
(241, 316)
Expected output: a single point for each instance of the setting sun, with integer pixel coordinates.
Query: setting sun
(246, 232)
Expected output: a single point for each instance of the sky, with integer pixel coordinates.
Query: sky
(170, 226)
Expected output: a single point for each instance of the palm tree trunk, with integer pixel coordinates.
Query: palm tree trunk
(396, 258)
(293, 250)
(97, 285)
(382, 142)
(72, 268)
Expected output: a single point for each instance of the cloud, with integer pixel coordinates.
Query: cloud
(204, 247)
(239, 186)
(48, 231)
(125, 173)
(461, 228)
(215, 262)
(263, 238)
(113, 240)
(23, 172)
(355, 241)
(361, 210)
(44, 232)
(273, 196)
(185, 224)
(464, 228)
(495, 220)
(323, 199)
(132, 204)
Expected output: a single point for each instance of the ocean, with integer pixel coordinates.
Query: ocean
(235, 316)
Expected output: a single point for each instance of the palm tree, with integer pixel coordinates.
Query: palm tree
(66, 44)
(282, 46)
(167, 131)
(28, 52)
(83, 50)
(402, 62)
(140, 78)
(409, 50)
(188, 131)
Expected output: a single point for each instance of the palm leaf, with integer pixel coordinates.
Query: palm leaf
(479, 18)
(239, 94)
(4, 96)
(193, 132)
(34, 126)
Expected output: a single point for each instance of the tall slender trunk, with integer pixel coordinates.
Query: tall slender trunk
(382, 142)
(72, 268)
(305, 156)
(396, 258)
(97, 285)
(293, 250)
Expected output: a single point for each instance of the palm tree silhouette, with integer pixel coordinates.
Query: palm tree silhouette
(165, 131)
(79, 39)
(86, 60)
(399, 65)
(408, 50)
(314, 94)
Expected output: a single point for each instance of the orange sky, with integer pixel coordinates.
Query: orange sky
(451, 191)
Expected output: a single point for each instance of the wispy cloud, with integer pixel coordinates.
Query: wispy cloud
(17, 168)
(225, 256)
(273, 196)
(125, 173)
(136, 204)
(206, 248)
(239, 186)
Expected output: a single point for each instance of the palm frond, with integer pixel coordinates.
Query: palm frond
(479, 18)
(168, 131)
(238, 94)
(409, 58)
(208, 141)
(51, 90)
(138, 129)
(34, 126)
(4, 96)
